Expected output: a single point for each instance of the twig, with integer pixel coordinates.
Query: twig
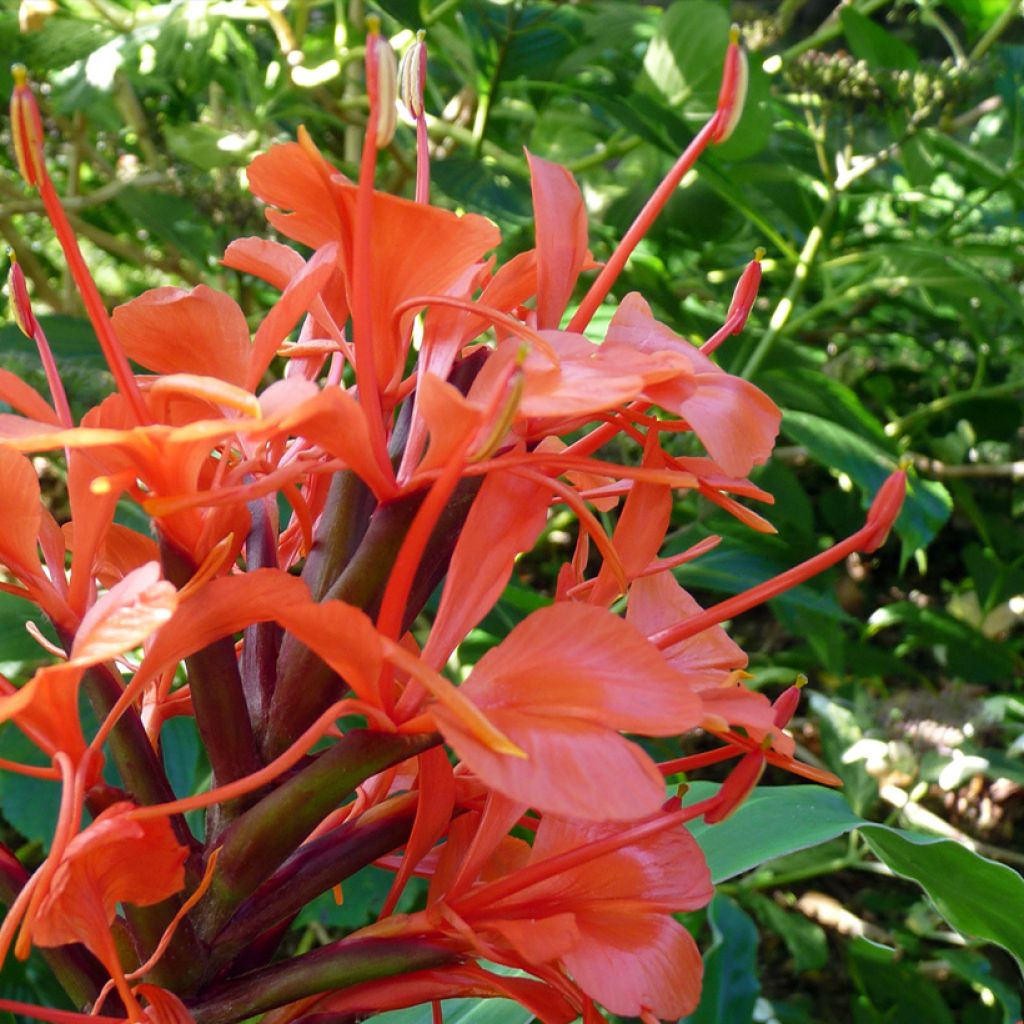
(104, 194)
(33, 269)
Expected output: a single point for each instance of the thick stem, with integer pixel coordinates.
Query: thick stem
(306, 686)
(261, 640)
(218, 699)
(339, 965)
(264, 837)
(316, 867)
(341, 527)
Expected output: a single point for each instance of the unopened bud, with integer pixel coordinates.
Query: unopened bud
(382, 82)
(883, 512)
(26, 128)
(738, 785)
(21, 307)
(746, 292)
(787, 702)
(412, 76)
(734, 89)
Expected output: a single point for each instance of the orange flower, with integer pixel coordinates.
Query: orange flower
(595, 901)
(560, 687)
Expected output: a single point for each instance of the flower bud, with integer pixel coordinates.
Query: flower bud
(883, 512)
(738, 785)
(26, 128)
(746, 292)
(734, 89)
(787, 702)
(21, 307)
(412, 76)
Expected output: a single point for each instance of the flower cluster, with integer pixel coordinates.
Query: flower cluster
(335, 738)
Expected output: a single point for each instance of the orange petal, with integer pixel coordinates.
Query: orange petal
(129, 613)
(26, 400)
(114, 860)
(586, 664)
(571, 767)
(292, 177)
(506, 518)
(705, 660)
(561, 225)
(21, 520)
(170, 330)
(633, 963)
(299, 294)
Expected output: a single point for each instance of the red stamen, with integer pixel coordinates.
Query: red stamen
(740, 306)
(27, 131)
(881, 516)
(362, 294)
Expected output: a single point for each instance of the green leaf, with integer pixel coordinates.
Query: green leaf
(743, 562)
(815, 392)
(964, 650)
(927, 506)
(730, 988)
(896, 991)
(30, 805)
(977, 969)
(805, 940)
(684, 62)
(773, 822)
(979, 14)
(179, 743)
(684, 59)
(873, 44)
(978, 897)
(209, 148)
(18, 647)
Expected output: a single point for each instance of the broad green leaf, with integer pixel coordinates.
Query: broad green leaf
(805, 940)
(977, 896)
(730, 987)
(979, 14)
(895, 991)
(977, 969)
(867, 463)
(17, 646)
(684, 59)
(817, 393)
(30, 805)
(741, 562)
(874, 44)
(773, 822)
(840, 730)
(209, 148)
(179, 744)
(966, 651)
(684, 64)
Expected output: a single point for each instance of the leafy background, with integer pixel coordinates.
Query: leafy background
(878, 162)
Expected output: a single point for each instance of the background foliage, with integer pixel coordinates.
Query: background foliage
(878, 163)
